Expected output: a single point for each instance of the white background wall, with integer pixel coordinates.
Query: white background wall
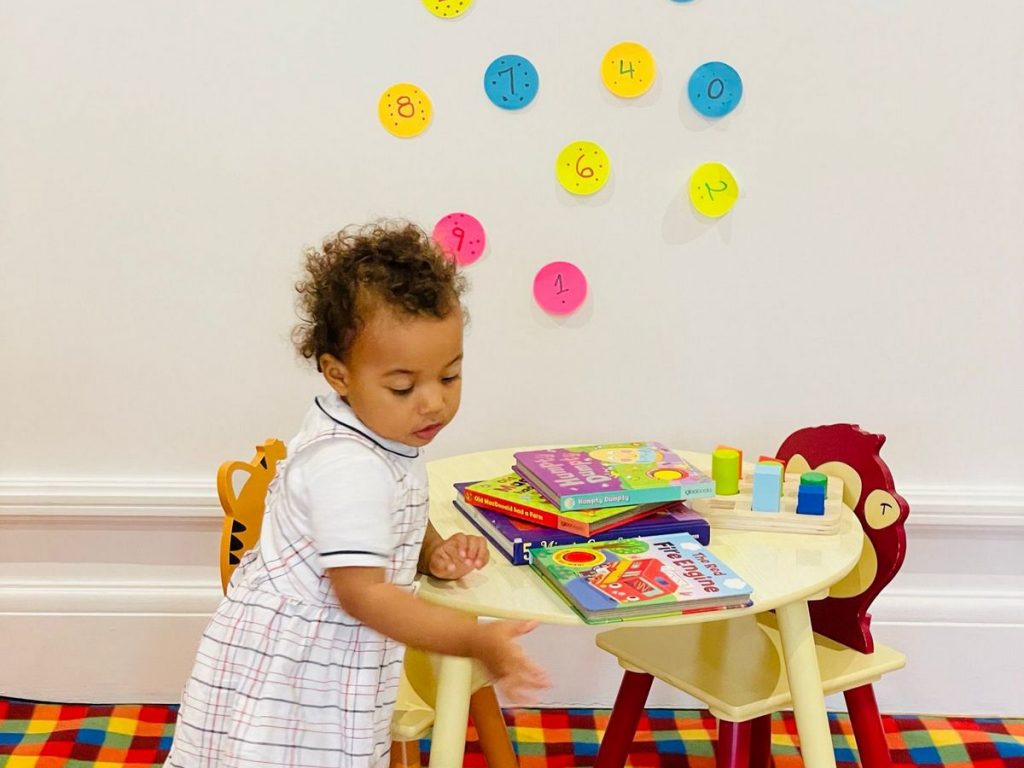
(163, 164)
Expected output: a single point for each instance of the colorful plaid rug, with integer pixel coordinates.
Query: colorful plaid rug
(104, 736)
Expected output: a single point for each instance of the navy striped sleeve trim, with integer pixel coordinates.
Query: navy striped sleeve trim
(352, 552)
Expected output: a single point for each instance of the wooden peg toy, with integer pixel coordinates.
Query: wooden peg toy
(738, 453)
(725, 471)
(810, 497)
(767, 488)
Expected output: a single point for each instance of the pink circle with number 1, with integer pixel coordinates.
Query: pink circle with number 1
(559, 287)
(461, 236)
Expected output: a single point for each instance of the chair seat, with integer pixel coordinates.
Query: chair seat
(413, 717)
(735, 667)
(417, 692)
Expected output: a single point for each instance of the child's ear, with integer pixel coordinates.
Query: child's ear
(335, 373)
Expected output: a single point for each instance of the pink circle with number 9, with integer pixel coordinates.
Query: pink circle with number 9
(461, 236)
(559, 287)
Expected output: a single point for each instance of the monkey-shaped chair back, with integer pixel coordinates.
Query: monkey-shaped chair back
(848, 452)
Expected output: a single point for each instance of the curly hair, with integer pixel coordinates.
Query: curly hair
(393, 263)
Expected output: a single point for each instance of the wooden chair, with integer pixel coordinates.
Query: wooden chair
(414, 710)
(736, 667)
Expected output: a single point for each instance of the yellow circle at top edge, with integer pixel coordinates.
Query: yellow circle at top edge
(628, 70)
(447, 9)
(404, 110)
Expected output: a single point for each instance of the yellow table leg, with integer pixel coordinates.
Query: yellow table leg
(448, 740)
(805, 685)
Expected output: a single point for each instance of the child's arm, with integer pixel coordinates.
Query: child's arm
(366, 595)
(451, 558)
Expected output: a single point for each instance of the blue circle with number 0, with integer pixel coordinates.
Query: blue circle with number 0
(511, 81)
(715, 89)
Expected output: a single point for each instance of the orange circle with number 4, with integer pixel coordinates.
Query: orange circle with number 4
(628, 70)
(582, 167)
(404, 110)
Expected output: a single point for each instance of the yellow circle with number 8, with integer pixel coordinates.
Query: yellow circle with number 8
(713, 190)
(628, 70)
(582, 167)
(404, 110)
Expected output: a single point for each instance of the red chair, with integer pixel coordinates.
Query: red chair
(736, 667)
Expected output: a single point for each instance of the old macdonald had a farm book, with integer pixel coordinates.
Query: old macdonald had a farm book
(642, 577)
(614, 474)
(511, 495)
(514, 537)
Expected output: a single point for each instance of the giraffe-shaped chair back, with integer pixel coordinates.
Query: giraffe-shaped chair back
(243, 511)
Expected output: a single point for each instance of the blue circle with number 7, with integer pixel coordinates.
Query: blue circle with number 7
(511, 81)
(715, 89)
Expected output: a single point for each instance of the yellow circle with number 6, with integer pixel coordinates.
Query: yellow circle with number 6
(404, 109)
(713, 190)
(628, 70)
(582, 167)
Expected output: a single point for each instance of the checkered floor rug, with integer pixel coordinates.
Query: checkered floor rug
(104, 736)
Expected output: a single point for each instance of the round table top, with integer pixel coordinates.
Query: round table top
(781, 567)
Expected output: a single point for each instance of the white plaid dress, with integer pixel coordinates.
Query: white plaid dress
(283, 676)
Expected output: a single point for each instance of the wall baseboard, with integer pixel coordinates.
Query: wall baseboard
(106, 587)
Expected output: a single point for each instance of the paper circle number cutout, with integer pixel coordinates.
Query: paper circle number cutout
(559, 287)
(713, 190)
(582, 167)
(628, 70)
(461, 236)
(447, 9)
(511, 81)
(404, 110)
(715, 89)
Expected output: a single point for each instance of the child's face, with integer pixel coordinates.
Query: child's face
(403, 376)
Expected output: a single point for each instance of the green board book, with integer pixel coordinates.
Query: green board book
(641, 577)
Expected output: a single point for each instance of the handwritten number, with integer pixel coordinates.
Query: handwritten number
(586, 171)
(711, 87)
(405, 106)
(623, 71)
(511, 79)
(460, 233)
(558, 284)
(711, 196)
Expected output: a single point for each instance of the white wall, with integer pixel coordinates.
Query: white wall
(162, 165)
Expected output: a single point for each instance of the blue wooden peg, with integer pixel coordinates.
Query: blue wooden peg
(767, 483)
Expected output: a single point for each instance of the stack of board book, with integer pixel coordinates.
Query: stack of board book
(600, 492)
(515, 537)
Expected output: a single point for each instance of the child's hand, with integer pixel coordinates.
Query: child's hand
(457, 555)
(515, 673)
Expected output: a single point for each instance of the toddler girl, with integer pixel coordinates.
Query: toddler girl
(301, 662)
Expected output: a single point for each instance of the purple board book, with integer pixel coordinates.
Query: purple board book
(595, 476)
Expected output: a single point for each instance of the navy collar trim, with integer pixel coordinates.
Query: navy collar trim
(372, 438)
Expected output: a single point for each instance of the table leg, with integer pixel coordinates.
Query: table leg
(451, 712)
(805, 685)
